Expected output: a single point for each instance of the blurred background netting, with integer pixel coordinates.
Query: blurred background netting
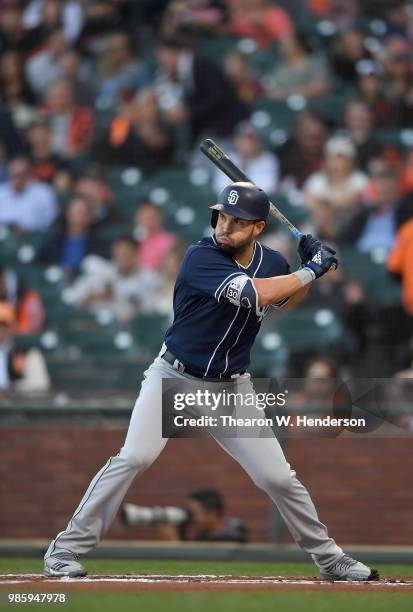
(102, 186)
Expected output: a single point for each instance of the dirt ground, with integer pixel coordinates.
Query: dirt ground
(159, 583)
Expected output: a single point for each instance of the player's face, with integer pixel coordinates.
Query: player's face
(234, 234)
(199, 514)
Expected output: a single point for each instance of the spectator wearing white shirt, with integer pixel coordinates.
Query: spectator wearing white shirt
(25, 203)
(69, 12)
(43, 68)
(339, 183)
(249, 154)
(118, 286)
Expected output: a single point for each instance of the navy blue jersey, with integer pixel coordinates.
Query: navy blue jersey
(216, 311)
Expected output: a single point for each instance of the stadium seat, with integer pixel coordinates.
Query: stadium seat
(305, 328)
(373, 274)
(217, 47)
(148, 331)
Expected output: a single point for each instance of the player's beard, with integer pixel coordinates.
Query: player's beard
(235, 250)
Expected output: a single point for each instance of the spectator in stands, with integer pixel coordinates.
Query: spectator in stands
(397, 15)
(103, 17)
(322, 221)
(195, 16)
(22, 372)
(299, 71)
(119, 69)
(73, 239)
(71, 125)
(374, 225)
(49, 13)
(12, 32)
(15, 92)
(349, 50)
(43, 67)
(397, 77)
(138, 135)
(154, 242)
(77, 70)
(279, 240)
(6, 323)
(207, 100)
(339, 182)
(261, 20)
(168, 271)
(340, 12)
(347, 299)
(371, 90)
(63, 184)
(45, 163)
(400, 263)
(238, 69)
(100, 198)
(359, 124)
(118, 286)
(320, 394)
(29, 310)
(26, 204)
(321, 379)
(302, 154)
(250, 156)
(3, 162)
(10, 138)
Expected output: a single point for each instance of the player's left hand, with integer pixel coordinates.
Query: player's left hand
(307, 247)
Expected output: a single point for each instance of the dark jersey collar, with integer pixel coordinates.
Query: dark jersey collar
(252, 268)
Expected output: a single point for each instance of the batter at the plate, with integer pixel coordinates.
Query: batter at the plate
(224, 288)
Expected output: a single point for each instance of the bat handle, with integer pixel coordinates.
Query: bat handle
(297, 234)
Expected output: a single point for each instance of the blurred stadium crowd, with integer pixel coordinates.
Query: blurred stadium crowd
(102, 107)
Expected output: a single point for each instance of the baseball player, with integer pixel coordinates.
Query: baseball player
(224, 288)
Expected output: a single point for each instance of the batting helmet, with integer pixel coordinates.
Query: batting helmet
(242, 200)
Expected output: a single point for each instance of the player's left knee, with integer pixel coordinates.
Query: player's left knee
(276, 483)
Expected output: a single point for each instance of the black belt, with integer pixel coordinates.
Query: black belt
(178, 365)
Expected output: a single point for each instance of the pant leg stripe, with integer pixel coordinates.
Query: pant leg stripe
(83, 505)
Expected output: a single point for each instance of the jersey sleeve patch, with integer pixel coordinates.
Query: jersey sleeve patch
(240, 291)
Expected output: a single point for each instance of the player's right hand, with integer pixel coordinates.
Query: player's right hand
(321, 262)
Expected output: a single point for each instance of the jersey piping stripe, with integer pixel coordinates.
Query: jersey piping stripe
(260, 261)
(221, 341)
(67, 530)
(230, 281)
(250, 261)
(257, 305)
(224, 282)
(231, 347)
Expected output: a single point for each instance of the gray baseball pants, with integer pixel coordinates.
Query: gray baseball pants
(262, 459)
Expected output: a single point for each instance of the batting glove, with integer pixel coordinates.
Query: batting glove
(307, 247)
(321, 262)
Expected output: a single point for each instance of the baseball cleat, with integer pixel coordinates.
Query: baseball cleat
(63, 564)
(349, 569)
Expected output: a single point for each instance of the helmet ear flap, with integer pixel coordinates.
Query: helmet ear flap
(214, 218)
